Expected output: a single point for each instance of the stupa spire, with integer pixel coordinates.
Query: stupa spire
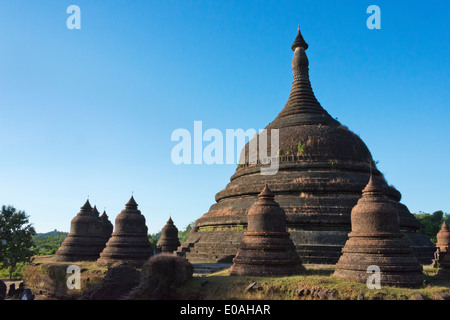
(86, 208)
(95, 211)
(374, 187)
(131, 204)
(266, 193)
(299, 41)
(302, 106)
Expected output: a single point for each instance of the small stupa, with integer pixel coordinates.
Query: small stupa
(443, 238)
(86, 238)
(376, 240)
(107, 226)
(442, 245)
(129, 241)
(266, 248)
(169, 241)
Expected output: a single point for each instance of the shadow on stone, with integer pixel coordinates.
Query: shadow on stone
(120, 278)
(161, 277)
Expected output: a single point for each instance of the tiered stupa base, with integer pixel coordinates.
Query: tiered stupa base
(391, 253)
(129, 242)
(132, 249)
(266, 254)
(77, 248)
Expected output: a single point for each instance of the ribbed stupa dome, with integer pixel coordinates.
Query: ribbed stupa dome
(86, 238)
(266, 248)
(443, 238)
(129, 241)
(323, 168)
(376, 240)
(169, 241)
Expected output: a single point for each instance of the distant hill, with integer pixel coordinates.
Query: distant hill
(51, 234)
(49, 242)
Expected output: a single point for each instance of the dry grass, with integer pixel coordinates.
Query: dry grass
(220, 286)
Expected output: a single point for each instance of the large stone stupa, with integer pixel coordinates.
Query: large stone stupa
(86, 238)
(323, 168)
(129, 241)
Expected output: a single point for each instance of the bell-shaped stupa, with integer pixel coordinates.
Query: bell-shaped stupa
(443, 238)
(266, 249)
(129, 241)
(322, 169)
(376, 242)
(169, 241)
(442, 245)
(86, 238)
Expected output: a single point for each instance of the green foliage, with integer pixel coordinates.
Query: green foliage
(48, 243)
(154, 238)
(16, 236)
(301, 148)
(431, 223)
(183, 235)
(17, 273)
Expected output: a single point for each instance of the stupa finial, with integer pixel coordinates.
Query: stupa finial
(299, 41)
(131, 202)
(266, 192)
(374, 186)
(87, 206)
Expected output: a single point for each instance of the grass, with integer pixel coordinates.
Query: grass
(48, 276)
(220, 286)
(16, 275)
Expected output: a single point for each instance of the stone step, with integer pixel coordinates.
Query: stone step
(208, 258)
(208, 268)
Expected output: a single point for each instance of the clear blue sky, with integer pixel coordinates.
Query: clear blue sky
(91, 111)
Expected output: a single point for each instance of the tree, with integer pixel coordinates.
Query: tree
(431, 223)
(183, 235)
(16, 236)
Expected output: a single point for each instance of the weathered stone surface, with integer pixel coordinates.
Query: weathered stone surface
(119, 280)
(161, 277)
(444, 271)
(416, 296)
(2, 290)
(12, 289)
(266, 249)
(86, 238)
(169, 241)
(442, 245)
(443, 238)
(378, 296)
(129, 241)
(440, 296)
(376, 240)
(323, 167)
